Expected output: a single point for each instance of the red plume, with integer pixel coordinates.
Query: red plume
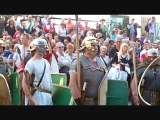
(143, 56)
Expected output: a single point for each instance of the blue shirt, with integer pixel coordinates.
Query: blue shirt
(11, 56)
(6, 53)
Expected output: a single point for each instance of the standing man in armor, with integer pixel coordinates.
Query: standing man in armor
(93, 74)
(37, 81)
(150, 85)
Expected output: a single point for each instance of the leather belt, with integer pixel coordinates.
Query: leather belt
(42, 90)
(89, 99)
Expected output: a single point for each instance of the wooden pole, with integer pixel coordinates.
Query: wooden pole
(134, 85)
(77, 51)
(134, 67)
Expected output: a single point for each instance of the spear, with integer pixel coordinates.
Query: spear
(77, 51)
(134, 87)
(134, 65)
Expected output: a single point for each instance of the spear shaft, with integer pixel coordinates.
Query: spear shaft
(77, 51)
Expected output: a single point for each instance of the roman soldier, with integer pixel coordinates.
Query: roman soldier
(93, 83)
(37, 81)
(148, 81)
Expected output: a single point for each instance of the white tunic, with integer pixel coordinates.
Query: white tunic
(37, 67)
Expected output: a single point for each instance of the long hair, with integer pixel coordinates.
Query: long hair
(121, 50)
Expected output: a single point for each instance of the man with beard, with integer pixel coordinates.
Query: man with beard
(150, 85)
(93, 83)
(37, 81)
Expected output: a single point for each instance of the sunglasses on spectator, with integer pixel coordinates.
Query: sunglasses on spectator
(61, 47)
(118, 42)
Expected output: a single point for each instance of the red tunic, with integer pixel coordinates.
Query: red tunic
(48, 56)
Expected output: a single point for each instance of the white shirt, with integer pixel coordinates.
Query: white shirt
(54, 65)
(106, 59)
(16, 56)
(44, 21)
(17, 23)
(63, 60)
(62, 32)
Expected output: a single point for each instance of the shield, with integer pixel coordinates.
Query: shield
(62, 95)
(117, 92)
(103, 87)
(15, 89)
(5, 95)
(59, 78)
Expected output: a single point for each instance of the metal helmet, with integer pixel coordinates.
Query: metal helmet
(40, 44)
(152, 52)
(86, 43)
